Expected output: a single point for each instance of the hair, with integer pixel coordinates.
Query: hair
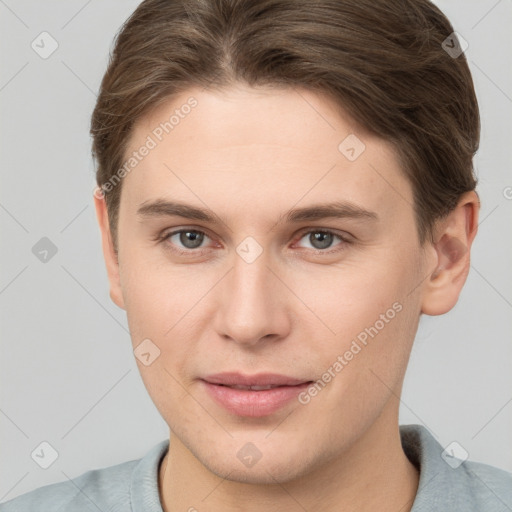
(382, 61)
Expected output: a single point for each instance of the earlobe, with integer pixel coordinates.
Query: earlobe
(111, 259)
(454, 237)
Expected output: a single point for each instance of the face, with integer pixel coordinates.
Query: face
(304, 271)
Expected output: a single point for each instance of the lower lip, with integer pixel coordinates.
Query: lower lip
(254, 404)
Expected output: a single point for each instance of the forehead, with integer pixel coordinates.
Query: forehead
(217, 120)
(260, 149)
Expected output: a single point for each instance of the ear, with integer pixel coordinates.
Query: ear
(453, 238)
(111, 259)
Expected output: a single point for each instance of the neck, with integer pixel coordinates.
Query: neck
(374, 474)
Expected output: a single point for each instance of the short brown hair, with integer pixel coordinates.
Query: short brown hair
(383, 62)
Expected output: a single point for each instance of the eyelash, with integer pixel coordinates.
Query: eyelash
(165, 237)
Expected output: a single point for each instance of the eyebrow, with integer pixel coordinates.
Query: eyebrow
(338, 209)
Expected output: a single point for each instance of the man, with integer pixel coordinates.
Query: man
(284, 188)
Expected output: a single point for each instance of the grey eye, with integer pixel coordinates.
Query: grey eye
(189, 239)
(320, 239)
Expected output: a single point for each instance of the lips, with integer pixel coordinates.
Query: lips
(253, 395)
(262, 379)
(251, 388)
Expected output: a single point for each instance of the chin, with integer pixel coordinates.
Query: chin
(257, 476)
(280, 467)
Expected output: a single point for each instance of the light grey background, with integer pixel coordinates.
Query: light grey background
(68, 375)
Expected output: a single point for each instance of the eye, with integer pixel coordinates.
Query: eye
(185, 240)
(321, 240)
(190, 241)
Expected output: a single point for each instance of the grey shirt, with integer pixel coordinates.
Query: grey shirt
(445, 484)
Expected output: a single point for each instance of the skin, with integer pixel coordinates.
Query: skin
(250, 155)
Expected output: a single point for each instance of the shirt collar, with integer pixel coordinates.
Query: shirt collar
(441, 486)
(144, 493)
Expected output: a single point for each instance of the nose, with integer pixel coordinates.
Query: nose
(253, 304)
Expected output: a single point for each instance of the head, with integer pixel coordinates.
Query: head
(261, 114)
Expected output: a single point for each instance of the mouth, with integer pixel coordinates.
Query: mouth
(264, 380)
(253, 396)
(251, 388)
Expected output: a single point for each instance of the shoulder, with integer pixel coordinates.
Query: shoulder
(109, 488)
(449, 481)
(487, 484)
(89, 491)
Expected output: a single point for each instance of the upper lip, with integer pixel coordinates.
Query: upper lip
(260, 379)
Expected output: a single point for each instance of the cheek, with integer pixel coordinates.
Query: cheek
(156, 310)
(350, 300)
(157, 296)
(373, 313)
(162, 305)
